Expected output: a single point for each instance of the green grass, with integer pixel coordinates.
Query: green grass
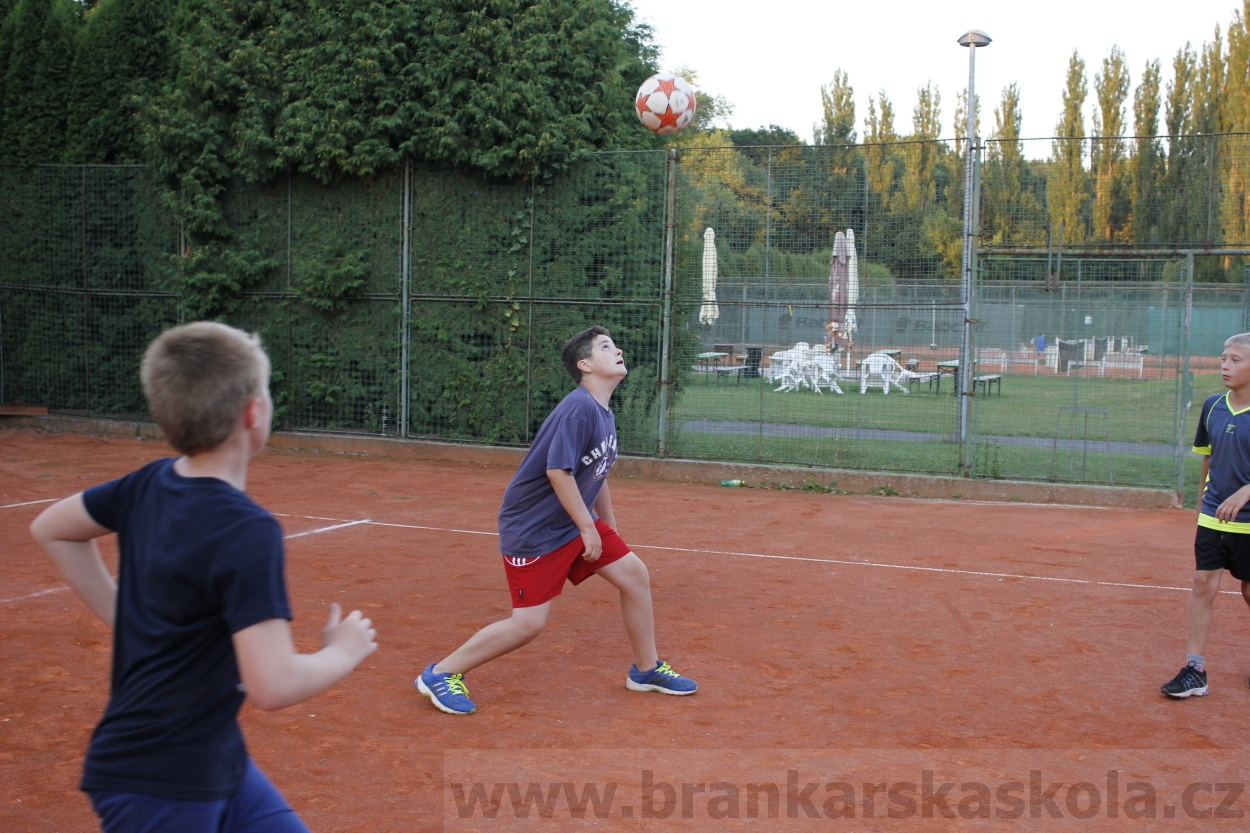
(1138, 411)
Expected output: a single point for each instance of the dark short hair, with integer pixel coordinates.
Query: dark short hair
(579, 347)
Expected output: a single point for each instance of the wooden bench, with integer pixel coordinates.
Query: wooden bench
(930, 379)
(986, 383)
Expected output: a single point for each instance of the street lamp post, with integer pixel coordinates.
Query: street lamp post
(971, 39)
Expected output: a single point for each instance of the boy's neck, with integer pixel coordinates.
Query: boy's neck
(226, 462)
(1239, 397)
(599, 387)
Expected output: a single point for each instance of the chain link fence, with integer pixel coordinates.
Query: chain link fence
(426, 303)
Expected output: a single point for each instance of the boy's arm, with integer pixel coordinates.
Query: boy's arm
(571, 499)
(67, 533)
(1226, 511)
(603, 506)
(275, 675)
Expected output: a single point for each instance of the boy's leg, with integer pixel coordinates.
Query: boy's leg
(443, 682)
(1201, 608)
(258, 807)
(496, 639)
(631, 579)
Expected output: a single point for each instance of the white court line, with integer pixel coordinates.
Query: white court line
(63, 588)
(928, 569)
(31, 503)
(962, 502)
(881, 564)
(60, 589)
(343, 525)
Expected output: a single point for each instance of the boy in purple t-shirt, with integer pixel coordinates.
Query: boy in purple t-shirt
(556, 523)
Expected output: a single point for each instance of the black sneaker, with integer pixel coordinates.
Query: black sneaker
(1190, 682)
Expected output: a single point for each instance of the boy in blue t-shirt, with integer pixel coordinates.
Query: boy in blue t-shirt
(557, 524)
(199, 611)
(1223, 537)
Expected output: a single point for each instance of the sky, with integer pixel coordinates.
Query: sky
(769, 58)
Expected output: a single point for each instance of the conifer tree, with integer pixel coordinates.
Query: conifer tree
(121, 58)
(38, 37)
(837, 100)
(1147, 163)
(1066, 188)
(1110, 209)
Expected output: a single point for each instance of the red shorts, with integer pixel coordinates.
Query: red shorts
(541, 579)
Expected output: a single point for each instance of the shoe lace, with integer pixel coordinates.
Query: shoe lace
(455, 685)
(665, 668)
(1190, 676)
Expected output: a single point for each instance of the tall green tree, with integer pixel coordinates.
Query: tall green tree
(837, 104)
(1111, 203)
(1236, 117)
(38, 39)
(1147, 164)
(1183, 148)
(919, 187)
(121, 59)
(1066, 187)
(1010, 212)
(347, 87)
(881, 158)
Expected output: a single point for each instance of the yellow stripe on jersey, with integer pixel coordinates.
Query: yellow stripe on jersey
(1204, 450)
(1223, 526)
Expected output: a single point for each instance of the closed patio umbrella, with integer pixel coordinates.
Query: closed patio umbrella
(839, 287)
(709, 312)
(852, 287)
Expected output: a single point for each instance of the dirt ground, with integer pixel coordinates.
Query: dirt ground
(864, 663)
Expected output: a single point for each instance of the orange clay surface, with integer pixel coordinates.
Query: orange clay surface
(864, 662)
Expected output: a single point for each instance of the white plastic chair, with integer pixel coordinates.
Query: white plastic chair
(881, 370)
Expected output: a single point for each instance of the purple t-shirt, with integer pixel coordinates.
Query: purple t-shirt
(580, 437)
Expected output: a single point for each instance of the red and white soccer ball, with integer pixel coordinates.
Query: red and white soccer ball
(665, 103)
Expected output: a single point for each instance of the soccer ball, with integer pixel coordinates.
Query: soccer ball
(665, 103)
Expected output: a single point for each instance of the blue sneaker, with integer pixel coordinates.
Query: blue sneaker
(662, 678)
(447, 691)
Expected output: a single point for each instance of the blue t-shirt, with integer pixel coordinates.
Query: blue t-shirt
(1224, 435)
(198, 561)
(579, 436)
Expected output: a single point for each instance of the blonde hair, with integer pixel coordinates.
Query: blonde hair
(198, 378)
(1241, 340)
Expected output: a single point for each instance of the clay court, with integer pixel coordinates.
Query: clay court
(865, 663)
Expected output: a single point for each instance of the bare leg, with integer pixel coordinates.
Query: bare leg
(497, 639)
(630, 577)
(1201, 607)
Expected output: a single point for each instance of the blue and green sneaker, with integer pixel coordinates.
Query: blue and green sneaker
(662, 678)
(447, 691)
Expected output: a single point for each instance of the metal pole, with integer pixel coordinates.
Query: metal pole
(971, 40)
(405, 286)
(1186, 385)
(666, 340)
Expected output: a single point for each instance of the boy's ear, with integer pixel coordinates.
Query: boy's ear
(251, 413)
(588, 366)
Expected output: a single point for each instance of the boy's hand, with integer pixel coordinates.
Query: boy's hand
(594, 544)
(1228, 510)
(354, 635)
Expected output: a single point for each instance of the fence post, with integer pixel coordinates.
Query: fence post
(1186, 385)
(405, 281)
(666, 326)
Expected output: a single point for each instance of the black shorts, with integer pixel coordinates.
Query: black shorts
(1216, 550)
